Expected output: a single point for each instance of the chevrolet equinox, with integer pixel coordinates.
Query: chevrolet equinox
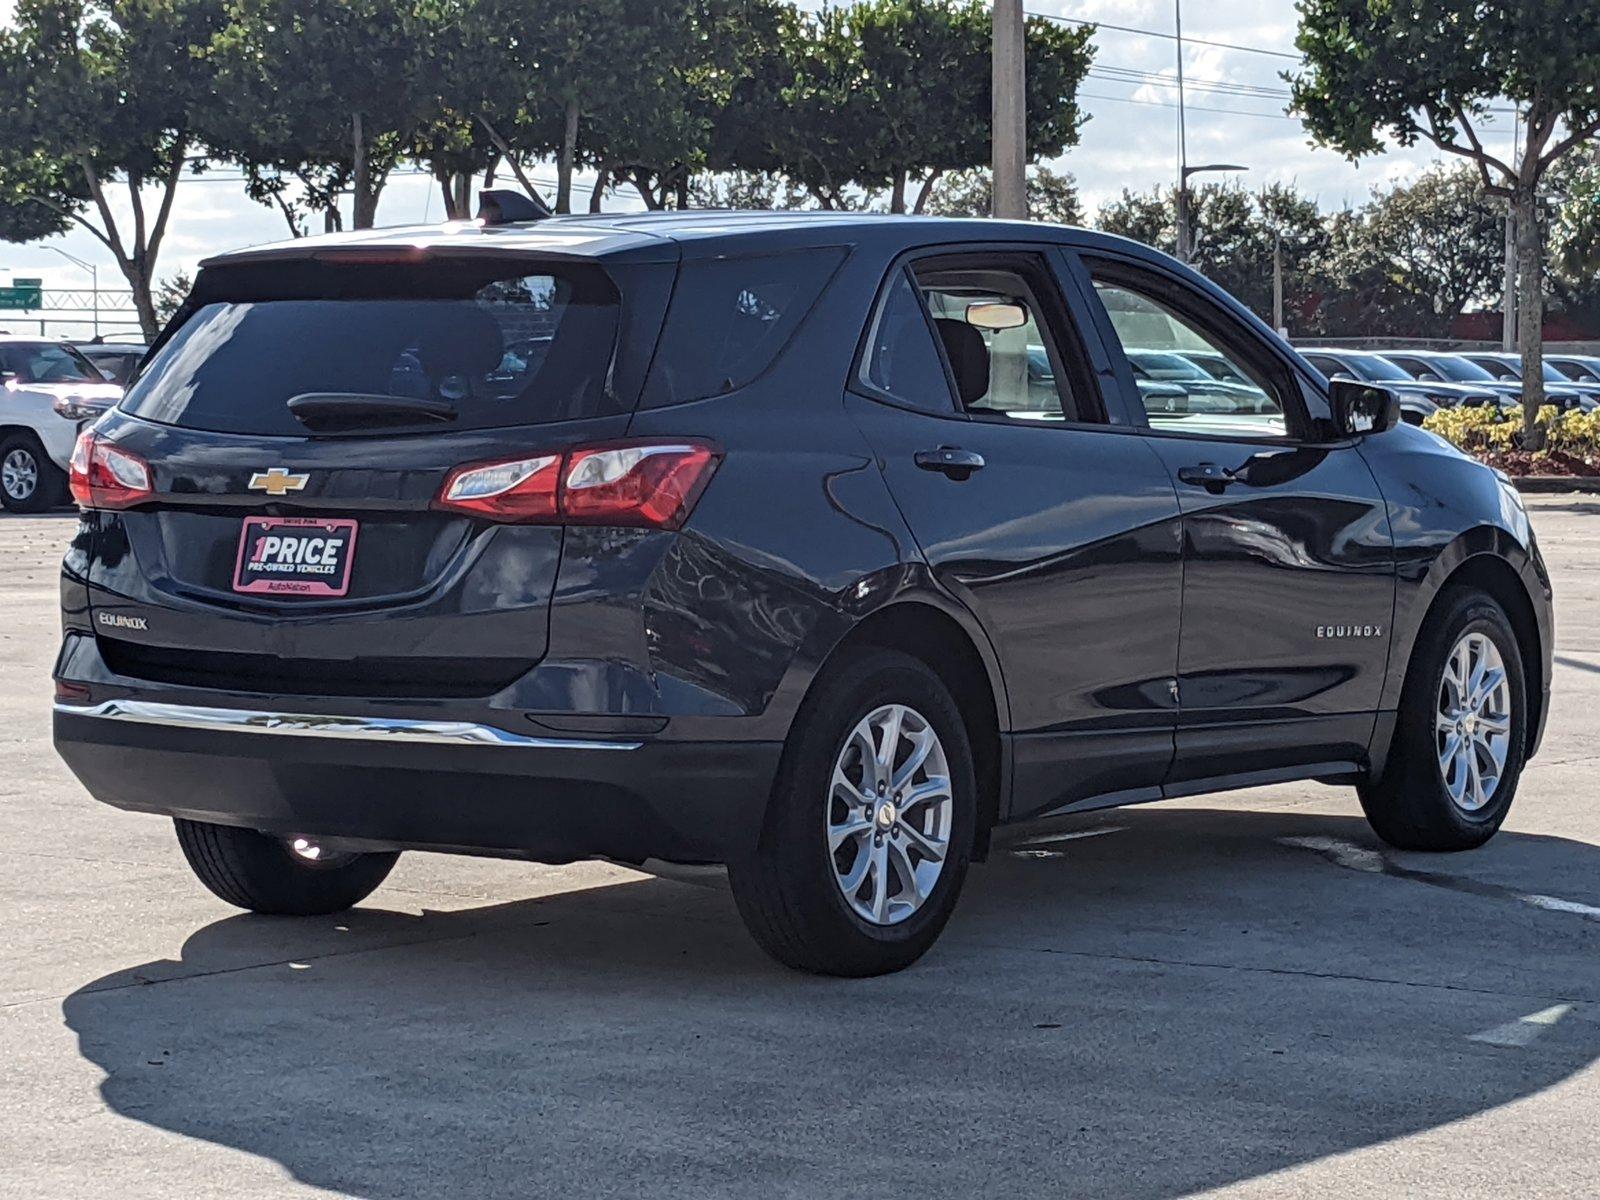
(817, 545)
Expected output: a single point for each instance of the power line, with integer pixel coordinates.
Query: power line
(1171, 37)
(1233, 112)
(1221, 86)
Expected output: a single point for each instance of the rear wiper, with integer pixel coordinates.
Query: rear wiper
(366, 408)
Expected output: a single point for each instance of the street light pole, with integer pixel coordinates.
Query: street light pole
(1185, 246)
(94, 276)
(1008, 113)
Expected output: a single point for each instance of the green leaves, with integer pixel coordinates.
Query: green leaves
(887, 94)
(1426, 68)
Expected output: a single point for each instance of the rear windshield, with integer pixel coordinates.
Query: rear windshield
(46, 362)
(519, 349)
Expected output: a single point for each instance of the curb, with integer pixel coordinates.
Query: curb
(1557, 483)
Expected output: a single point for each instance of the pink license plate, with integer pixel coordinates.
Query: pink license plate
(295, 556)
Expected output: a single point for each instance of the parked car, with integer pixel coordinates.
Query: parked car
(47, 392)
(1197, 390)
(1437, 366)
(1419, 400)
(781, 558)
(1579, 368)
(1559, 390)
(1215, 365)
(117, 360)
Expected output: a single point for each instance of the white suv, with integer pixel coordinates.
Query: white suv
(48, 391)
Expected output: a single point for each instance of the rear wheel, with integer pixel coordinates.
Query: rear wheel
(1461, 738)
(29, 481)
(871, 824)
(278, 875)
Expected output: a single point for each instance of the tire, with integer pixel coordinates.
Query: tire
(792, 893)
(29, 481)
(1411, 805)
(264, 874)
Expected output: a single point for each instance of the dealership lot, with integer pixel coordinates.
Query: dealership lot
(1239, 994)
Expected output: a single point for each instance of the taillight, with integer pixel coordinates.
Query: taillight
(105, 476)
(523, 489)
(652, 484)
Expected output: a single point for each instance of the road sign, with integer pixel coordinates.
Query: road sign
(26, 294)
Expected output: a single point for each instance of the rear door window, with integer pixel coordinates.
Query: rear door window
(523, 348)
(1001, 330)
(731, 317)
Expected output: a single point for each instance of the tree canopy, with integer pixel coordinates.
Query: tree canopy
(97, 95)
(1412, 69)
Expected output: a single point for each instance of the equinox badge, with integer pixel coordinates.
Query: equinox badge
(277, 482)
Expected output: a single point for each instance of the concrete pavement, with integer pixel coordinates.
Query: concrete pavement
(1241, 996)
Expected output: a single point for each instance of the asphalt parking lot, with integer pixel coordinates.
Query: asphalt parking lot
(1237, 996)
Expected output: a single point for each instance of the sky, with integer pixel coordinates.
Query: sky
(1235, 100)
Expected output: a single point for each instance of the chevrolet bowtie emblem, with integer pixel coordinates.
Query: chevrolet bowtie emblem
(277, 482)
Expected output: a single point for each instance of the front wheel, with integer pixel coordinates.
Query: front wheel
(1461, 735)
(871, 825)
(29, 481)
(282, 876)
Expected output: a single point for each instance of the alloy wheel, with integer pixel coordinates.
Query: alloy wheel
(889, 814)
(19, 474)
(1473, 723)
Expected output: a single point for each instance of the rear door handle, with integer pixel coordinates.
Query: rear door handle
(950, 460)
(1210, 476)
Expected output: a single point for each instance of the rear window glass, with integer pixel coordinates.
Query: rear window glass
(526, 349)
(731, 317)
(46, 362)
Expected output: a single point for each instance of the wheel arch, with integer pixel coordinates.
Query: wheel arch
(964, 661)
(7, 431)
(1490, 570)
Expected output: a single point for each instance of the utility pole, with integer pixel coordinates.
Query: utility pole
(1277, 284)
(1009, 116)
(1184, 250)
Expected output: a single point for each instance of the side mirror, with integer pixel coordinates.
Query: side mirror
(1362, 409)
(995, 316)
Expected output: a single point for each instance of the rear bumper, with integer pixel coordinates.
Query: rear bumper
(434, 784)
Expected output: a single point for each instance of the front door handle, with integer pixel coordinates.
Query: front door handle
(950, 460)
(1211, 476)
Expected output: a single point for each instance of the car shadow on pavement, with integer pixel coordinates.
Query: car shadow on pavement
(1170, 1000)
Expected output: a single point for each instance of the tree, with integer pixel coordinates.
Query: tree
(1422, 252)
(1413, 69)
(1236, 236)
(96, 97)
(1052, 196)
(747, 190)
(890, 95)
(170, 295)
(1575, 235)
(327, 92)
(1148, 217)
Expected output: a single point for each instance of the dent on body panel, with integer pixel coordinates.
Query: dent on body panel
(734, 613)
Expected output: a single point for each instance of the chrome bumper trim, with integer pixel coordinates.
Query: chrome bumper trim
(369, 729)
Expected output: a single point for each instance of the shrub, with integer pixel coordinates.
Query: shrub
(1488, 434)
